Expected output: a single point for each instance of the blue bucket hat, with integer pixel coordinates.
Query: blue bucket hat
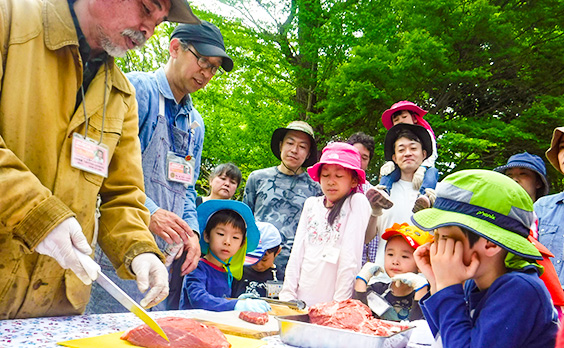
(531, 162)
(488, 203)
(210, 207)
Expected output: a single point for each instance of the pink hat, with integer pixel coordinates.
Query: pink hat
(343, 154)
(406, 105)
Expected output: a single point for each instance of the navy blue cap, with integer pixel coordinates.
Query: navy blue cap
(531, 162)
(207, 40)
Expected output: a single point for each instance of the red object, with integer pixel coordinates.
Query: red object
(560, 338)
(352, 315)
(549, 277)
(181, 332)
(254, 317)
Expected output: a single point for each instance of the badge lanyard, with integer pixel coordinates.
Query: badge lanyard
(88, 154)
(179, 168)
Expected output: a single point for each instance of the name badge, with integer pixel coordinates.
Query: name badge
(179, 169)
(330, 254)
(88, 155)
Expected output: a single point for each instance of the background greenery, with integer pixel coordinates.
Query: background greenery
(491, 74)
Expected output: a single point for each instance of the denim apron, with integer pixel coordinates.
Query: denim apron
(166, 194)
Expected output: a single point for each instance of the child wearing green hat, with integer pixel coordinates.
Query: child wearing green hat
(229, 231)
(484, 281)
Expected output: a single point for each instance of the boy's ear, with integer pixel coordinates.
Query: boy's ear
(278, 252)
(491, 249)
(206, 237)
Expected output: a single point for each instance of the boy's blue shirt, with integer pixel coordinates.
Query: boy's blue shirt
(206, 287)
(516, 311)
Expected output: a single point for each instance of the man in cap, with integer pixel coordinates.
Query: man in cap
(277, 194)
(407, 145)
(63, 99)
(550, 209)
(171, 131)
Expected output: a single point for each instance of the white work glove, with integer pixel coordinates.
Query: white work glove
(247, 295)
(369, 270)
(414, 281)
(387, 168)
(378, 199)
(151, 273)
(59, 245)
(418, 177)
(250, 305)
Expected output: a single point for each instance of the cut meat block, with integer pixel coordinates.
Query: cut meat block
(182, 333)
(352, 315)
(254, 317)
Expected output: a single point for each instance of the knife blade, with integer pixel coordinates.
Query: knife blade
(119, 294)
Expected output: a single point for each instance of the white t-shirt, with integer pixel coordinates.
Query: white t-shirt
(326, 259)
(403, 195)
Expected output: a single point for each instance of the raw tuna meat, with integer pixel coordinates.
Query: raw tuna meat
(182, 333)
(352, 315)
(254, 317)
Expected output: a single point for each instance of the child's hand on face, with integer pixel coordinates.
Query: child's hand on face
(446, 255)
(422, 258)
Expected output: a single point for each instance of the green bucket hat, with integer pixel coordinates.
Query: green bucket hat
(488, 203)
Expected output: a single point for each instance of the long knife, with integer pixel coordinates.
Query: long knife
(119, 294)
(296, 304)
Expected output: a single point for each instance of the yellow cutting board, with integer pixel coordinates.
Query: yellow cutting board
(113, 340)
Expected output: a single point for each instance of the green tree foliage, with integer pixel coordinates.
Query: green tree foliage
(491, 73)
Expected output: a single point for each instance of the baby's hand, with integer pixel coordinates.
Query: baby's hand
(423, 260)
(448, 265)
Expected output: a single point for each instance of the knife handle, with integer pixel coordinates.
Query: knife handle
(89, 265)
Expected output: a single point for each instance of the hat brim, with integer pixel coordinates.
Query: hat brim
(387, 115)
(277, 137)
(545, 186)
(313, 171)
(420, 131)
(430, 219)
(181, 12)
(552, 153)
(214, 51)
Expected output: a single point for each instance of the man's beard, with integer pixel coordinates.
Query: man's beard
(117, 51)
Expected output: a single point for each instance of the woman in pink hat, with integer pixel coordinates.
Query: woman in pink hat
(327, 252)
(424, 180)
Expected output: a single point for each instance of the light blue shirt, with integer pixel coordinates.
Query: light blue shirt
(148, 86)
(550, 211)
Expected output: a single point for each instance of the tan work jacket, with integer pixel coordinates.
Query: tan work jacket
(41, 75)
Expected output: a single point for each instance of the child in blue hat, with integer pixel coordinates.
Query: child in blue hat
(229, 231)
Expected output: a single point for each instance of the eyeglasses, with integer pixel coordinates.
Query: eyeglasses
(205, 64)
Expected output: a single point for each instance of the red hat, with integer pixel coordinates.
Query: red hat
(343, 154)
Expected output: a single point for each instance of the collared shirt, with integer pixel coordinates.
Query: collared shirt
(90, 64)
(550, 210)
(148, 87)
